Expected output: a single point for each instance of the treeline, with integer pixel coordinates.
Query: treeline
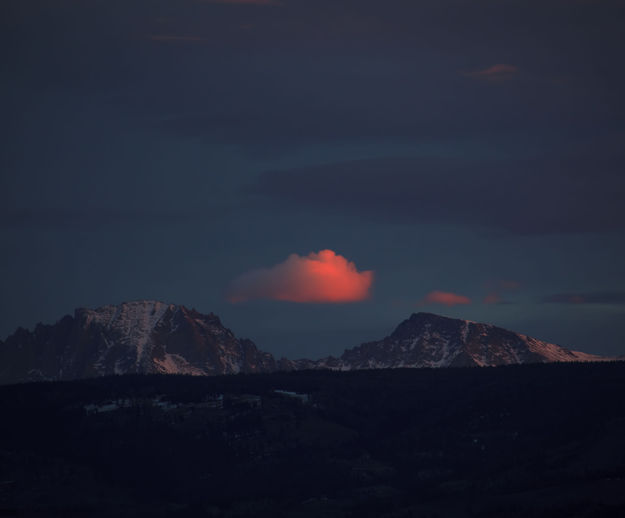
(532, 440)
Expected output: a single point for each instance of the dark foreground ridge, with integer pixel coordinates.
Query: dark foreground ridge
(543, 440)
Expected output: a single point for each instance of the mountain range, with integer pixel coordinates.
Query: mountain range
(153, 337)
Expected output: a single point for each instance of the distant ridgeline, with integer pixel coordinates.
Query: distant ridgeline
(153, 337)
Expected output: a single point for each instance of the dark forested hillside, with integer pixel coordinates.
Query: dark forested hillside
(529, 440)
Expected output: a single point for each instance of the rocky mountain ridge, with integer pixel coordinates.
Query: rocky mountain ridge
(429, 340)
(133, 337)
(154, 337)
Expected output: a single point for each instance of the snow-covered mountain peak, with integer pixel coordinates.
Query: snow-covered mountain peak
(143, 336)
(147, 336)
(138, 312)
(429, 340)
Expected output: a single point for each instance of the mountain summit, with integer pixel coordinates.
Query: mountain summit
(153, 337)
(428, 340)
(134, 337)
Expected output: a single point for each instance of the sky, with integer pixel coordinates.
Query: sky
(314, 171)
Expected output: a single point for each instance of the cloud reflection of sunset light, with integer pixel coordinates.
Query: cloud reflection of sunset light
(445, 298)
(322, 277)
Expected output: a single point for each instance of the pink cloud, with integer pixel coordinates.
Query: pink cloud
(496, 72)
(496, 289)
(616, 298)
(318, 277)
(445, 298)
(492, 298)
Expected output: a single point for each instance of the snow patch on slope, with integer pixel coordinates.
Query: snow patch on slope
(555, 353)
(176, 364)
(134, 322)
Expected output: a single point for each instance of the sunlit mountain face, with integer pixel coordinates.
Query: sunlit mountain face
(136, 337)
(151, 337)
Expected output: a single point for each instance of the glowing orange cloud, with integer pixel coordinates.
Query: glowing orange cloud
(318, 277)
(445, 298)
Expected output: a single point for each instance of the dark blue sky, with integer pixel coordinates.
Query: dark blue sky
(160, 149)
